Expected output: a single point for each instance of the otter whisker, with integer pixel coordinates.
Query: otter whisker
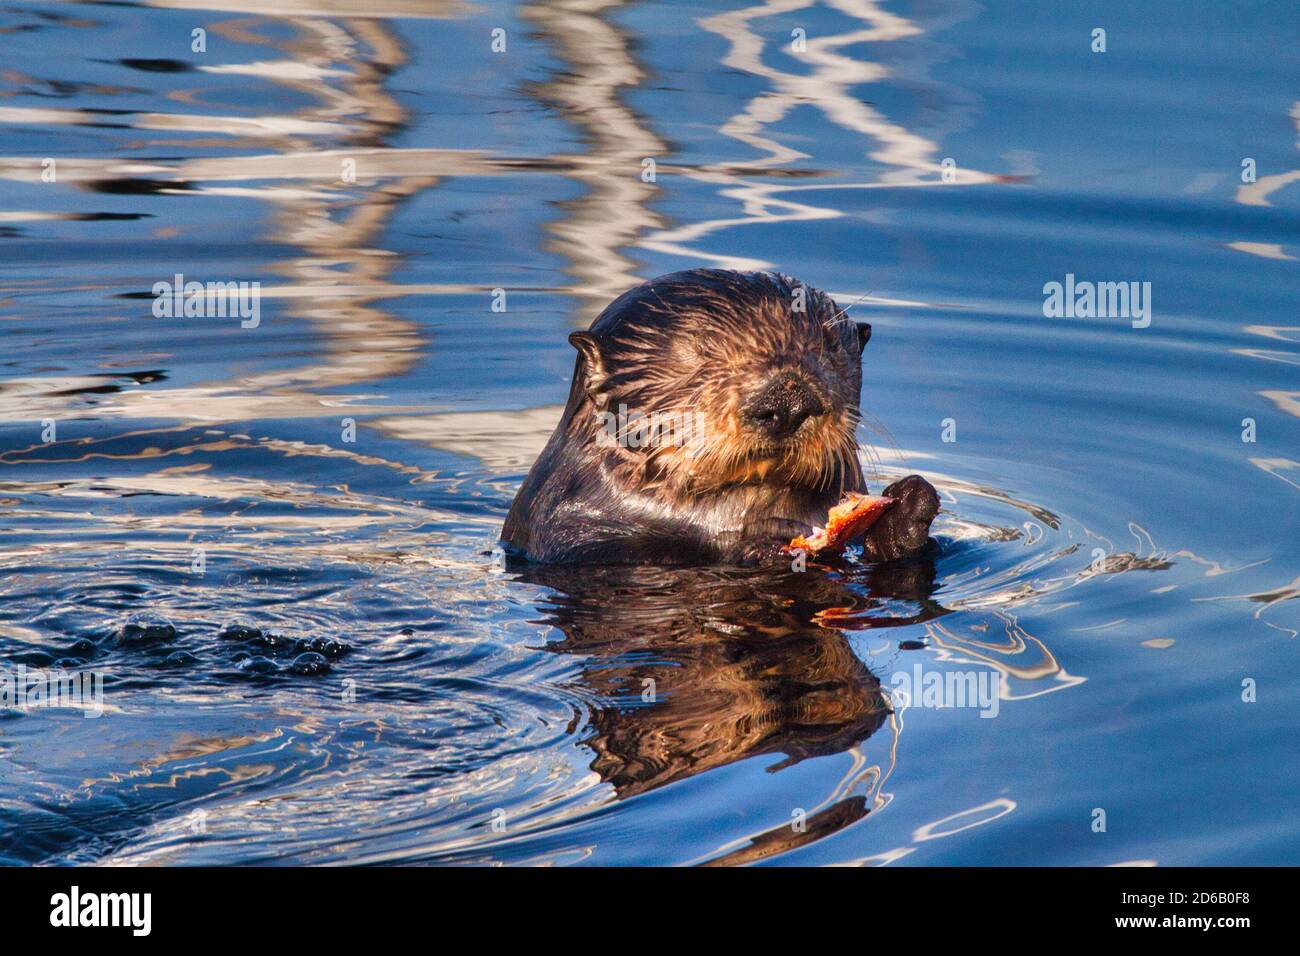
(875, 426)
(845, 311)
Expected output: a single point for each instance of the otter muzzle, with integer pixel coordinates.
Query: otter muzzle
(782, 406)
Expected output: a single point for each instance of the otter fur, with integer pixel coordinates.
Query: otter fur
(711, 418)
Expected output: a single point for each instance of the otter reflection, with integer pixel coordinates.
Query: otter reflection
(694, 668)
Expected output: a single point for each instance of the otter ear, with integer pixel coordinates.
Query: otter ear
(864, 334)
(594, 367)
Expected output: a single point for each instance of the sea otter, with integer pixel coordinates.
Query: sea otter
(711, 419)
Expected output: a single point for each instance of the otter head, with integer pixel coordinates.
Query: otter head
(709, 379)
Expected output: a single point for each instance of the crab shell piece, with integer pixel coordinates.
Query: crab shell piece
(853, 515)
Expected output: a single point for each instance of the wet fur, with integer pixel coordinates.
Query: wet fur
(705, 341)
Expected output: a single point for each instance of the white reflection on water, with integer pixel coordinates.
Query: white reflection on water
(910, 160)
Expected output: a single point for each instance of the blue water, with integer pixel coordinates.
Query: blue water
(275, 545)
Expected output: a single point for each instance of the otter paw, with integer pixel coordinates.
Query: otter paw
(905, 528)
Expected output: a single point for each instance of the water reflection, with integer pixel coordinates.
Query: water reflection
(832, 84)
(689, 670)
(341, 270)
(703, 667)
(613, 211)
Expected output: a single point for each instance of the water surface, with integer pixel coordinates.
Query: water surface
(276, 544)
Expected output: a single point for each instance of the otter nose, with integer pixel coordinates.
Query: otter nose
(784, 405)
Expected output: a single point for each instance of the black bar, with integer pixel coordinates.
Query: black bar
(979, 905)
